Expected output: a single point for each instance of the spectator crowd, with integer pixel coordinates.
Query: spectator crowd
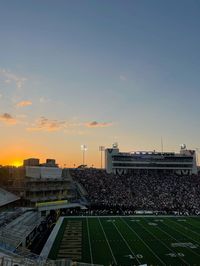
(140, 191)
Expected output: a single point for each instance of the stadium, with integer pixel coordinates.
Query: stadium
(142, 209)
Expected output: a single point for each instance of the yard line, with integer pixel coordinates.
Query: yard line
(88, 231)
(126, 243)
(163, 263)
(107, 241)
(196, 219)
(163, 242)
(187, 227)
(193, 225)
(183, 235)
(176, 239)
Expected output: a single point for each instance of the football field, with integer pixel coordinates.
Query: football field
(129, 241)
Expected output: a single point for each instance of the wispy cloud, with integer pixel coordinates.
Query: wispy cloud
(95, 124)
(45, 124)
(50, 125)
(24, 103)
(8, 119)
(10, 77)
(123, 78)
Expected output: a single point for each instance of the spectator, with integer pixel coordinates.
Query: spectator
(141, 191)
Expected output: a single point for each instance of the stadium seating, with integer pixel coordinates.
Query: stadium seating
(150, 191)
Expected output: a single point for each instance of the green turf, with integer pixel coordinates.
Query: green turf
(130, 241)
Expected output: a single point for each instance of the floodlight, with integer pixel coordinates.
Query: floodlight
(101, 149)
(84, 149)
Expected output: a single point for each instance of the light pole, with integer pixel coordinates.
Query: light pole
(101, 149)
(84, 149)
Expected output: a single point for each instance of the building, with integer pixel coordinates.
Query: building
(32, 162)
(41, 183)
(38, 194)
(169, 162)
(51, 163)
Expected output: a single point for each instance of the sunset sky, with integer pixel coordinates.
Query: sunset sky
(95, 72)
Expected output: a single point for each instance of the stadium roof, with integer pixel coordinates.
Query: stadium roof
(7, 197)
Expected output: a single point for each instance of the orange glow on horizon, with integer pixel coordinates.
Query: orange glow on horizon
(16, 163)
(14, 156)
(69, 161)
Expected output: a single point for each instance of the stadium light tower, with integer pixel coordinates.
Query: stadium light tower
(101, 149)
(84, 149)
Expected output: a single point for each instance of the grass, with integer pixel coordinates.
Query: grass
(137, 240)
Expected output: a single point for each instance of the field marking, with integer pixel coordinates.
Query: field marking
(126, 243)
(173, 255)
(194, 221)
(175, 238)
(178, 240)
(162, 241)
(107, 241)
(88, 230)
(185, 237)
(187, 227)
(184, 244)
(153, 224)
(163, 263)
(194, 225)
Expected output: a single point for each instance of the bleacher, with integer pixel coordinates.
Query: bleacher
(15, 232)
(7, 216)
(7, 259)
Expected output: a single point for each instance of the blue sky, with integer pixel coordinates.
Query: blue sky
(132, 67)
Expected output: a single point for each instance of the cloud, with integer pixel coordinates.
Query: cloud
(21, 116)
(8, 119)
(24, 103)
(95, 124)
(10, 77)
(45, 124)
(44, 100)
(123, 78)
(50, 125)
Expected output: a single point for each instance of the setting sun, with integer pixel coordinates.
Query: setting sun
(17, 163)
